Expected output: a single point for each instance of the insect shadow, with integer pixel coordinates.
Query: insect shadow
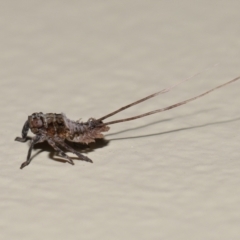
(160, 121)
(44, 146)
(174, 130)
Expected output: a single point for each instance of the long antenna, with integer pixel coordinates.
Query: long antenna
(172, 106)
(154, 94)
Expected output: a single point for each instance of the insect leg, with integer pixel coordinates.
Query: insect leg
(59, 151)
(36, 139)
(24, 133)
(70, 149)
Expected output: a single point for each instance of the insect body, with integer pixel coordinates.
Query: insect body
(56, 128)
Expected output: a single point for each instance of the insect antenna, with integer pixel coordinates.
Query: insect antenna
(169, 107)
(154, 94)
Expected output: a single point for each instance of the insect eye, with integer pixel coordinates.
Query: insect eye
(37, 123)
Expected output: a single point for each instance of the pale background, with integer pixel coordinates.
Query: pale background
(174, 175)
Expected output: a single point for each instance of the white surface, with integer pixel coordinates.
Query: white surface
(173, 175)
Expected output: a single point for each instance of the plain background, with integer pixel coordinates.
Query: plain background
(174, 175)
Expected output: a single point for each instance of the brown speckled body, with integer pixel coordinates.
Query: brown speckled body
(56, 128)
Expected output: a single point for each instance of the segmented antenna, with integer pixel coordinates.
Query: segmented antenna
(162, 109)
(154, 94)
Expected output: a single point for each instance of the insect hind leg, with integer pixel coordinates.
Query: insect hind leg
(59, 151)
(70, 149)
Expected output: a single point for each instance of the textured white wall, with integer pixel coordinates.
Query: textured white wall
(174, 175)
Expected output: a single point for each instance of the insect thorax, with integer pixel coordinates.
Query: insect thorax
(53, 124)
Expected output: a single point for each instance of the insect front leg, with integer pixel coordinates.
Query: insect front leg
(36, 139)
(59, 151)
(70, 149)
(24, 133)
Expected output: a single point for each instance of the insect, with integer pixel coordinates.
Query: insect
(56, 128)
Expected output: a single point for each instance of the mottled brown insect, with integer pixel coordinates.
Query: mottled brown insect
(56, 128)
